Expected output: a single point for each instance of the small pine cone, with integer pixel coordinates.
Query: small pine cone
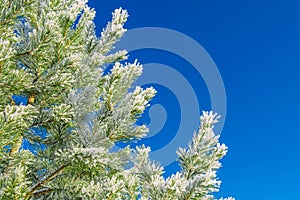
(31, 99)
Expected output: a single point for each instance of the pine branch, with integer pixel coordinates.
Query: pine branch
(49, 52)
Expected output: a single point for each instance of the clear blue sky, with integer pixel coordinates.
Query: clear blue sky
(256, 46)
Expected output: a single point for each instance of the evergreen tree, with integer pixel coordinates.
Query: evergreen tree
(50, 55)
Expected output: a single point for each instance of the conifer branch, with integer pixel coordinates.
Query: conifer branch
(50, 56)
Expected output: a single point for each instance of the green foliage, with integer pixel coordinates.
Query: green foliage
(50, 54)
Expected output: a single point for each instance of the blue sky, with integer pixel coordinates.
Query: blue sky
(255, 45)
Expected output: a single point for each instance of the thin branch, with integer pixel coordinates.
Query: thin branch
(42, 192)
(46, 180)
